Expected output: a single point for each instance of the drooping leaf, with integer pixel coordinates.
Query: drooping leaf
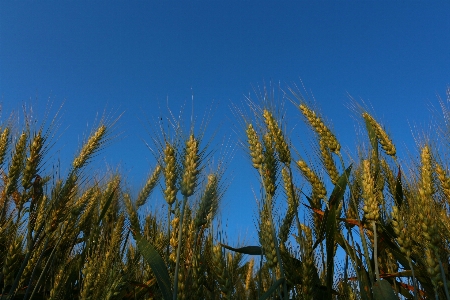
(351, 222)
(156, 264)
(293, 273)
(250, 250)
(382, 290)
(315, 210)
(272, 289)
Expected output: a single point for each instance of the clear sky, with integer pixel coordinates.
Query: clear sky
(131, 56)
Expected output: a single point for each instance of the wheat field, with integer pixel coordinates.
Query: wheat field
(374, 228)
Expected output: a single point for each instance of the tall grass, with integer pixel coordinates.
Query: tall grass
(365, 227)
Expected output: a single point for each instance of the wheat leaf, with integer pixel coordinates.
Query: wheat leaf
(335, 198)
(107, 204)
(157, 265)
(272, 289)
(250, 250)
(382, 290)
(399, 189)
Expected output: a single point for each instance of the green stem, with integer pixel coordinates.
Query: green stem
(168, 232)
(25, 261)
(34, 269)
(413, 278)
(180, 235)
(444, 280)
(44, 271)
(366, 254)
(375, 250)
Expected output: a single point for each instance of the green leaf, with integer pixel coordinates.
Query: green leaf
(250, 250)
(361, 273)
(107, 204)
(272, 289)
(311, 202)
(336, 196)
(382, 290)
(339, 189)
(156, 264)
(399, 189)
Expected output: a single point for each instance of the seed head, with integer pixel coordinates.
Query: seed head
(33, 160)
(323, 131)
(256, 149)
(148, 187)
(371, 209)
(269, 169)
(4, 143)
(281, 146)
(17, 164)
(170, 174)
(386, 143)
(90, 147)
(318, 187)
(191, 164)
(328, 162)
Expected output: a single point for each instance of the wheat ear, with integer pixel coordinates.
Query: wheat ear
(386, 143)
(17, 164)
(90, 147)
(282, 147)
(4, 143)
(33, 160)
(322, 130)
(148, 187)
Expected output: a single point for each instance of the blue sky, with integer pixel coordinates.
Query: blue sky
(131, 56)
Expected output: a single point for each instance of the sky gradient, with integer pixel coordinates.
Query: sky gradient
(137, 57)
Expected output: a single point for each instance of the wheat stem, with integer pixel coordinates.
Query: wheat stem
(177, 262)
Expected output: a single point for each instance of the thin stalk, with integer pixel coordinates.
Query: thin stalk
(24, 263)
(48, 262)
(375, 250)
(444, 280)
(180, 235)
(260, 276)
(413, 278)
(366, 254)
(342, 161)
(169, 208)
(34, 269)
(346, 254)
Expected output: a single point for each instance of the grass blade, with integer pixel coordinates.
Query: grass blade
(382, 290)
(157, 264)
(336, 196)
(250, 250)
(272, 289)
(399, 189)
(107, 204)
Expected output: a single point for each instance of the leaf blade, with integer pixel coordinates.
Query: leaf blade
(250, 250)
(157, 265)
